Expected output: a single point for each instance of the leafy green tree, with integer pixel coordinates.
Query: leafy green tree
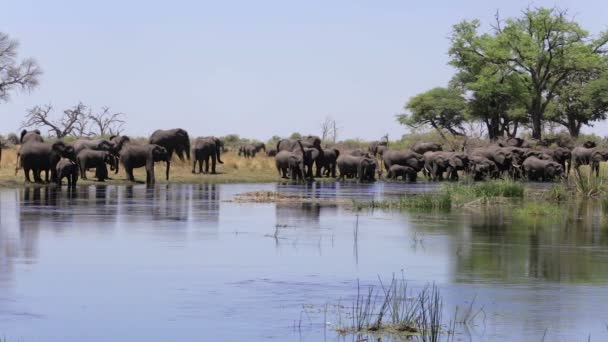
(541, 48)
(581, 100)
(439, 108)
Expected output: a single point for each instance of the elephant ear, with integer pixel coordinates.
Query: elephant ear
(500, 157)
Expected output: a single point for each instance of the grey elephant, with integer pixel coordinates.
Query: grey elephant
(481, 168)
(359, 153)
(436, 163)
(562, 156)
(405, 172)
(514, 142)
(377, 147)
(173, 140)
(271, 152)
(205, 149)
(505, 158)
(359, 167)
(66, 168)
(423, 147)
(43, 156)
(250, 150)
(404, 158)
(541, 169)
(92, 144)
(330, 157)
(30, 136)
(133, 155)
(309, 141)
(588, 156)
(87, 159)
(290, 164)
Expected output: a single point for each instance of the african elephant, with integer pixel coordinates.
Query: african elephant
(133, 155)
(436, 163)
(206, 148)
(514, 142)
(377, 147)
(588, 156)
(362, 168)
(541, 170)
(505, 158)
(405, 172)
(358, 153)
(404, 158)
(562, 156)
(96, 159)
(118, 141)
(173, 140)
(250, 150)
(309, 141)
(290, 163)
(482, 168)
(92, 144)
(423, 147)
(271, 152)
(66, 168)
(30, 136)
(43, 156)
(330, 156)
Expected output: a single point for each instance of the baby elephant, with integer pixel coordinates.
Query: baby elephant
(67, 169)
(405, 172)
(87, 159)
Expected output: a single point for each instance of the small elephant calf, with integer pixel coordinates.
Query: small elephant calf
(67, 169)
(405, 172)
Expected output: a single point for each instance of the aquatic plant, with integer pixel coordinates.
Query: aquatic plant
(588, 186)
(490, 189)
(533, 209)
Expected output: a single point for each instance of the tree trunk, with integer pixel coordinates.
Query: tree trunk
(536, 116)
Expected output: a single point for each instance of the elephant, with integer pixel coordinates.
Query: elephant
(206, 148)
(405, 172)
(588, 156)
(271, 152)
(506, 158)
(173, 140)
(482, 168)
(362, 168)
(43, 156)
(250, 150)
(404, 158)
(514, 142)
(423, 147)
(377, 147)
(541, 169)
(436, 163)
(30, 136)
(562, 156)
(309, 141)
(312, 156)
(359, 153)
(290, 163)
(134, 155)
(96, 159)
(66, 168)
(330, 156)
(92, 144)
(118, 141)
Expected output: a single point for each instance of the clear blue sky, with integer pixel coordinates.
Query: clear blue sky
(256, 68)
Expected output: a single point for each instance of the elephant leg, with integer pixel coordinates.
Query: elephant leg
(129, 171)
(168, 167)
(206, 160)
(213, 161)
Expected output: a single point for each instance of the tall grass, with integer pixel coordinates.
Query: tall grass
(588, 185)
(394, 309)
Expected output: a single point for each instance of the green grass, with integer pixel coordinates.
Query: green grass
(490, 189)
(535, 209)
(441, 201)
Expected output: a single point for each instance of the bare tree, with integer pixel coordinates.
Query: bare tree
(107, 123)
(15, 75)
(39, 116)
(329, 130)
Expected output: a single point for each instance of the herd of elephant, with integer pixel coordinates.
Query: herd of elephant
(514, 158)
(299, 159)
(61, 160)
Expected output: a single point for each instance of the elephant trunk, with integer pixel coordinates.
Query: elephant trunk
(218, 155)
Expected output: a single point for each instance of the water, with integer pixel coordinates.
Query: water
(183, 262)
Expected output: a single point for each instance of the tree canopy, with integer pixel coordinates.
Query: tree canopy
(540, 66)
(440, 108)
